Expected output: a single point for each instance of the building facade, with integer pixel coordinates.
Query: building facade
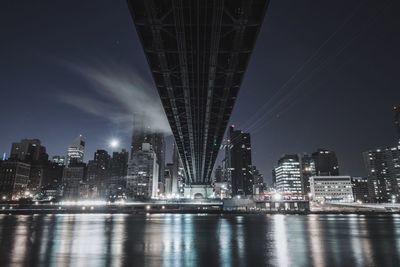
(142, 175)
(240, 163)
(14, 179)
(60, 160)
(360, 189)
(307, 170)
(74, 177)
(383, 168)
(331, 188)
(288, 174)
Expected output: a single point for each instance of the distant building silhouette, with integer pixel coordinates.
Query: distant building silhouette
(240, 164)
(97, 171)
(74, 176)
(14, 179)
(397, 121)
(307, 170)
(218, 174)
(326, 162)
(28, 150)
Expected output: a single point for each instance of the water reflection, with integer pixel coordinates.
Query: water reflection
(199, 240)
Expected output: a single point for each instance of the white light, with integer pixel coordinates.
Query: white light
(114, 143)
(277, 197)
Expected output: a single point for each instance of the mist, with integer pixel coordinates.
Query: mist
(118, 93)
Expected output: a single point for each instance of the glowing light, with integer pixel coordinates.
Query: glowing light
(114, 143)
(277, 197)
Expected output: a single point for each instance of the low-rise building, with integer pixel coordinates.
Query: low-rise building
(331, 188)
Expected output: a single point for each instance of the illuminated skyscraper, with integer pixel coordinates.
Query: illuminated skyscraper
(288, 174)
(142, 133)
(76, 150)
(142, 178)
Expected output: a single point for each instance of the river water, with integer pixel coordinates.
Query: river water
(199, 240)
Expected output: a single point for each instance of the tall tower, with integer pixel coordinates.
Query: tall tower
(142, 133)
(240, 161)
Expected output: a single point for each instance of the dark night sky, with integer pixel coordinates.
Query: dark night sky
(323, 74)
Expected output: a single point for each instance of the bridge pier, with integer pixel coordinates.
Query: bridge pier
(198, 191)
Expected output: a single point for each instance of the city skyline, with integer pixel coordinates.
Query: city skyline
(349, 126)
(200, 133)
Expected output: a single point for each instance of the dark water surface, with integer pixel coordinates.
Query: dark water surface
(199, 240)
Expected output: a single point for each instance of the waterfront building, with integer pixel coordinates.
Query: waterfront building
(142, 175)
(287, 174)
(74, 176)
(307, 170)
(142, 133)
(115, 182)
(258, 184)
(240, 163)
(383, 168)
(331, 188)
(14, 178)
(76, 150)
(360, 189)
(326, 162)
(221, 190)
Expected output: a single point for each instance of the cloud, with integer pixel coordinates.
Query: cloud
(118, 93)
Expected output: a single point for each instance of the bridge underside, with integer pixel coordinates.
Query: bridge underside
(198, 51)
